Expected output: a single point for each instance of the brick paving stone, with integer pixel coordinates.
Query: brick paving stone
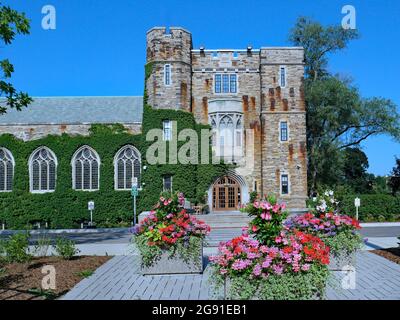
(120, 278)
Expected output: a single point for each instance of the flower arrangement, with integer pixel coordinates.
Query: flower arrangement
(338, 231)
(268, 216)
(169, 228)
(270, 261)
(259, 271)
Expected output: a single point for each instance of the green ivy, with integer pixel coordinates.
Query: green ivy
(67, 208)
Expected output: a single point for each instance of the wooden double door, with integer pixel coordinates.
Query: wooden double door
(226, 194)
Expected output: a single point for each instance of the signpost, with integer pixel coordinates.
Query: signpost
(357, 204)
(91, 208)
(134, 193)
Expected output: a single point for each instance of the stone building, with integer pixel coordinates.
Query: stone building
(252, 98)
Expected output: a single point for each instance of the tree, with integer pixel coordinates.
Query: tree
(394, 181)
(355, 170)
(12, 23)
(337, 116)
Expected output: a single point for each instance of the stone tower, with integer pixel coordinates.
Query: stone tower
(168, 59)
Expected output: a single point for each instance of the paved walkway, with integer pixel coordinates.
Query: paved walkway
(119, 278)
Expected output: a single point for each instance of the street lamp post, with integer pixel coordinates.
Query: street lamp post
(91, 208)
(134, 193)
(357, 204)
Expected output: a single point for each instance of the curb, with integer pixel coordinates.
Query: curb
(59, 231)
(379, 224)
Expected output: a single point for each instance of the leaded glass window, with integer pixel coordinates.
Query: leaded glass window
(6, 170)
(127, 166)
(86, 169)
(43, 170)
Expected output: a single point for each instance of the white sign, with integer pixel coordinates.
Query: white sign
(91, 205)
(134, 182)
(357, 202)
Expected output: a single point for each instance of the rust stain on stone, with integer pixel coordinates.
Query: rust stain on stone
(262, 101)
(271, 92)
(207, 85)
(245, 102)
(253, 103)
(290, 152)
(285, 104)
(205, 106)
(192, 105)
(184, 95)
(302, 96)
(272, 104)
(277, 177)
(278, 93)
(302, 149)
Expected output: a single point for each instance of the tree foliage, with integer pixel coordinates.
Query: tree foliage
(394, 181)
(337, 116)
(12, 23)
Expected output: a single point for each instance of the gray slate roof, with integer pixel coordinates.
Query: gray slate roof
(77, 110)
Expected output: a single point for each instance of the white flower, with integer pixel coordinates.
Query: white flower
(331, 193)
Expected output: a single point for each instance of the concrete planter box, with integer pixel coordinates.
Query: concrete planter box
(337, 263)
(174, 265)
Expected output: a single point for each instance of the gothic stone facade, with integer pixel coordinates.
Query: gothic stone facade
(264, 91)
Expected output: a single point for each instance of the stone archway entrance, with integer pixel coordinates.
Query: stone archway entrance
(226, 194)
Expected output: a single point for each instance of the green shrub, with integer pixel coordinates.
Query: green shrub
(16, 248)
(374, 207)
(66, 248)
(42, 246)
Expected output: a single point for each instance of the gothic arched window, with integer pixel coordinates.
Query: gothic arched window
(85, 169)
(42, 170)
(7, 164)
(127, 165)
(227, 134)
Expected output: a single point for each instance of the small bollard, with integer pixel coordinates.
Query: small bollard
(3, 226)
(81, 225)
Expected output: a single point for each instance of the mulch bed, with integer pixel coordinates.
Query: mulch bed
(392, 254)
(23, 281)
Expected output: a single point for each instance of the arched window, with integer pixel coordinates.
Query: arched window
(42, 170)
(7, 164)
(227, 136)
(85, 169)
(126, 166)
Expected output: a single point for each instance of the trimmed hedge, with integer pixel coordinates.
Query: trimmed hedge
(67, 208)
(374, 207)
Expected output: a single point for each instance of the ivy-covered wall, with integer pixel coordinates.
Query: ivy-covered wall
(67, 208)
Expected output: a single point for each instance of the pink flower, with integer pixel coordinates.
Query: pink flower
(256, 204)
(257, 270)
(266, 216)
(305, 267)
(254, 228)
(283, 206)
(275, 208)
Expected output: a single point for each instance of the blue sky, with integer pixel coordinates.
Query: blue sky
(98, 47)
